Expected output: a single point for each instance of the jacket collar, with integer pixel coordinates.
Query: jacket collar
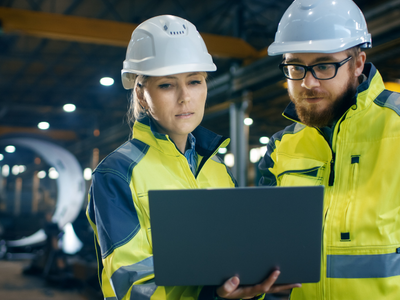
(207, 142)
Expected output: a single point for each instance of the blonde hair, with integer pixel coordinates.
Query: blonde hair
(136, 110)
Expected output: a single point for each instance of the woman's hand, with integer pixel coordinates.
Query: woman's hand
(231, 290)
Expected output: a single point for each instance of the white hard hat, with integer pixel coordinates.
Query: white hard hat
(322, 26)
(165, 45)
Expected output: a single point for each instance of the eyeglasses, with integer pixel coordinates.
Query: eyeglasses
(322, 71)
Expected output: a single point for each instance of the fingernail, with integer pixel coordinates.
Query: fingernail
(234, 280)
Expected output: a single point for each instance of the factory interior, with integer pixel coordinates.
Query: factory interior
(63, 109)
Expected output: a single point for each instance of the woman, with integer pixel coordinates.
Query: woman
(166, 65)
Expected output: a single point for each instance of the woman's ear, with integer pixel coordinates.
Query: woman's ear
(139, 93)
(140, 97)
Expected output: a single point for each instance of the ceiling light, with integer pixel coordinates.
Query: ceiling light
(222, 150)
(43, 125)
(87, 174)
(41, 174)
(10, 149)
(107, 81)
(1, 157)
(22, 168)
(255, 155)
(248, 121)
(5, 171)
(264, 140)
(15, 170)
(53, 174)
(263, 150)
(69, 107)
(229, 160)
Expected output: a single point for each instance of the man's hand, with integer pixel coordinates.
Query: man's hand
(231, 290)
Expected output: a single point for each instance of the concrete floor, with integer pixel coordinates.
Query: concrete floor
(14, 285)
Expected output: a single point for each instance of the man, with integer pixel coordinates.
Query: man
(345, 136)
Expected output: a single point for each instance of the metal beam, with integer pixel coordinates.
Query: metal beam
(86, 30)
(65, 135)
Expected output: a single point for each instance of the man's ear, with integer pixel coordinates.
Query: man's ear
(360, 61)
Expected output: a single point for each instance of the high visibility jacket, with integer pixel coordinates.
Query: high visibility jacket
(118, 208)
(361, 175)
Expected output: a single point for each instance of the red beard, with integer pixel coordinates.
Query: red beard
(309, 115)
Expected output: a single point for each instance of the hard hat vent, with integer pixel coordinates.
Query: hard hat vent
(175, 28)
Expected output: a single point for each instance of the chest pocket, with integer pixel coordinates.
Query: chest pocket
(301, 172)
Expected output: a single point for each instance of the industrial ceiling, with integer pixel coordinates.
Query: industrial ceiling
(54, 52)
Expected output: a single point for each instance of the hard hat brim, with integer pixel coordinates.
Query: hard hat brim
(319, 46)
(165, 71)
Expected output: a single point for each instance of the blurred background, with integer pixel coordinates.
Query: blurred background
(62, 110)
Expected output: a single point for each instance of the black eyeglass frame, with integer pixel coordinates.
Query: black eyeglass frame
(310, 68)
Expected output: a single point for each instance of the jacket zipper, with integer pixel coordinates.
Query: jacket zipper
(344, 228)
(332, 171)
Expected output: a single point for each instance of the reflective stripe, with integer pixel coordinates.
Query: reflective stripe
(111, 298)
(143, 291)
(124, 277)
(389, 99)
(363, 266)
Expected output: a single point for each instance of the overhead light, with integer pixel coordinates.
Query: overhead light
(229, 160)
(222, 150)
(43, 125)
(53, 174)
(10, 149)
(248, 121)
(264, 140)
(1, 157)
(263, 150)
(21, 168)
(15, 170)
(107, 81)
(255, 155)
(41, 174)
(87, 174)
(5, 170)
(69, 107)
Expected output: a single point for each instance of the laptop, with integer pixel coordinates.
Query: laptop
(206, 236)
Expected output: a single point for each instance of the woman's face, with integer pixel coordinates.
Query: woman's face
(176, 102)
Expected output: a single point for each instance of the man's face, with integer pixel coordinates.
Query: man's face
(320, 102)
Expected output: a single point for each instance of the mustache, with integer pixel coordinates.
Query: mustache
(313, 94)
